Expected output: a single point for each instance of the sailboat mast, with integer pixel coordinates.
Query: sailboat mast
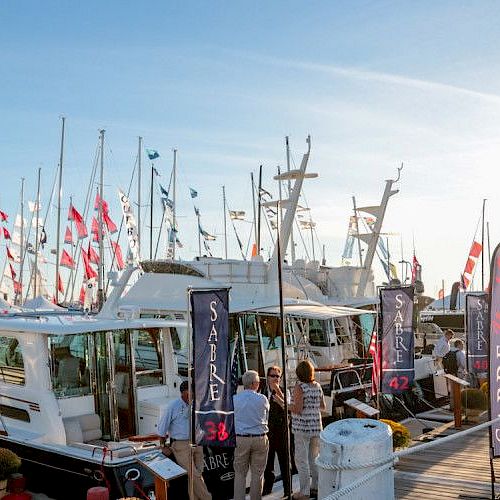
(59, 196)
(253, 207)
(174, 220)
(37, 239)
(23, 246)
(259, 210)
(225, 224)
(100, 290)
(139, 176)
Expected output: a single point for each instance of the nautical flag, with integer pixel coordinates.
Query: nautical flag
(441, 294)
(152, 154)
(156, 172)
(3, 216)
(68, 236)
(20, 221)
(9, 254)
(6, 233)
(75, 216)
(109, 223)
(236, 214)
(12, 272)
(43, 236)
(167, 203)
(95, 229)
(60, 286)
(117, 251)
(105, 206)
(263, 193)
(18, 289)
(93, 257)
(81, 297)
(67, 260)
(196, 211)
(474, 253)
(33, 206)
(89, 272)
(193, 192)
(164, 192)
(374, 353)
(207, 236)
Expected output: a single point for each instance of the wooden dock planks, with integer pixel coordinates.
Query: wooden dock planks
(457, 469)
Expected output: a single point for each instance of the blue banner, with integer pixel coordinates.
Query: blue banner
(212, 394)
(476, 324)
(397, 339)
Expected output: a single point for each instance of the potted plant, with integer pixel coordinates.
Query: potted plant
(9, 463)
(475, 402)
(401, 436)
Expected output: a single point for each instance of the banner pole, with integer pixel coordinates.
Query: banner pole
(286, 487)
(490, 342)
(191, 396)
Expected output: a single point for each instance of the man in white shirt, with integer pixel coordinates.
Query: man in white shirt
(442, 348)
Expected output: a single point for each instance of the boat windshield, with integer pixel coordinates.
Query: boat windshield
(69, 364)
(11, 361)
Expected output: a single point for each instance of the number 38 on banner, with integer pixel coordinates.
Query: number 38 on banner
(215, 432)
(399, 383)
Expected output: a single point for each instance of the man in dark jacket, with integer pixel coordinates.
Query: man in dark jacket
(277, 431)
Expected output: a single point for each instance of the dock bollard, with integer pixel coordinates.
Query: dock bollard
(349, 450)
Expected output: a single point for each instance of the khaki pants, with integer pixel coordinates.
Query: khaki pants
(182, 455)
(250, 452)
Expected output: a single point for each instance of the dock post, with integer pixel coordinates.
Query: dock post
(457, 404)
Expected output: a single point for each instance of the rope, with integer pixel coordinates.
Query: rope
(354, 465)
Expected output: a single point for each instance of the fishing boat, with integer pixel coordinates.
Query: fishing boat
(74, 392)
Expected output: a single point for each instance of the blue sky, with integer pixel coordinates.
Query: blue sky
(374, 83)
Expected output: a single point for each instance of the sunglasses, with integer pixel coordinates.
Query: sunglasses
(274, 375)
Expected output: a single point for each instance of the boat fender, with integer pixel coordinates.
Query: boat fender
(98, 493)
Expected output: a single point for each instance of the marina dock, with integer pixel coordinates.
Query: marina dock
(457, 469)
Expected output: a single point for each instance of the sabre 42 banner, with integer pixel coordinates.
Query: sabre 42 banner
(495, 351)
(476, 321)
(212, 396)
(397, 339)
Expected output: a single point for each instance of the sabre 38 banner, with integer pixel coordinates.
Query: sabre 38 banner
(397, 339)
(476, 322)
(495, 351)
(212, 394)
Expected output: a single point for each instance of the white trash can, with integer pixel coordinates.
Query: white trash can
(349, 450)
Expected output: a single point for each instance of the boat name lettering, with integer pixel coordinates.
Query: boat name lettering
(398, 330)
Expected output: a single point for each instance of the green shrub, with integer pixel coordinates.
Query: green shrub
(401, 436)
(9, 463)
(474, 399)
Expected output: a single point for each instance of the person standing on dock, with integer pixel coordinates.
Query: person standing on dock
(175, 424)
(251, 413)
(277, 431)
(458, 347)
(308, 401)
(442, 348)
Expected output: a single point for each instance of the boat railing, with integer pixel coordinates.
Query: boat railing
(382, 465)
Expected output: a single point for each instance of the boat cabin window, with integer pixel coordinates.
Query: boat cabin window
(69, 364)
(342, 330)
(148, 358)
(11, 361)
(271, 335)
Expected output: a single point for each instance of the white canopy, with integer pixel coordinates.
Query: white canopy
(42, 304)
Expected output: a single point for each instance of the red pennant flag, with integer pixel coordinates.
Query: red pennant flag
(95, 229)
(60, 283)
(117, 251)
(374, 352)
(12, 272)
(414, 269)
(81, 299)
(109, 223)
(9, 255)
(89, 272)
(105, 206)
(6, 234)
(465, 282)
(68, 237)
(3, 216)
(475, 249)
(93, 257)
(17, 287)
(74, 215)
(81, 230)
(67, 260)
(469, 266)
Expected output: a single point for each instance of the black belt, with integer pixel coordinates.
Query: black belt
(172, 440)
(250, 435)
